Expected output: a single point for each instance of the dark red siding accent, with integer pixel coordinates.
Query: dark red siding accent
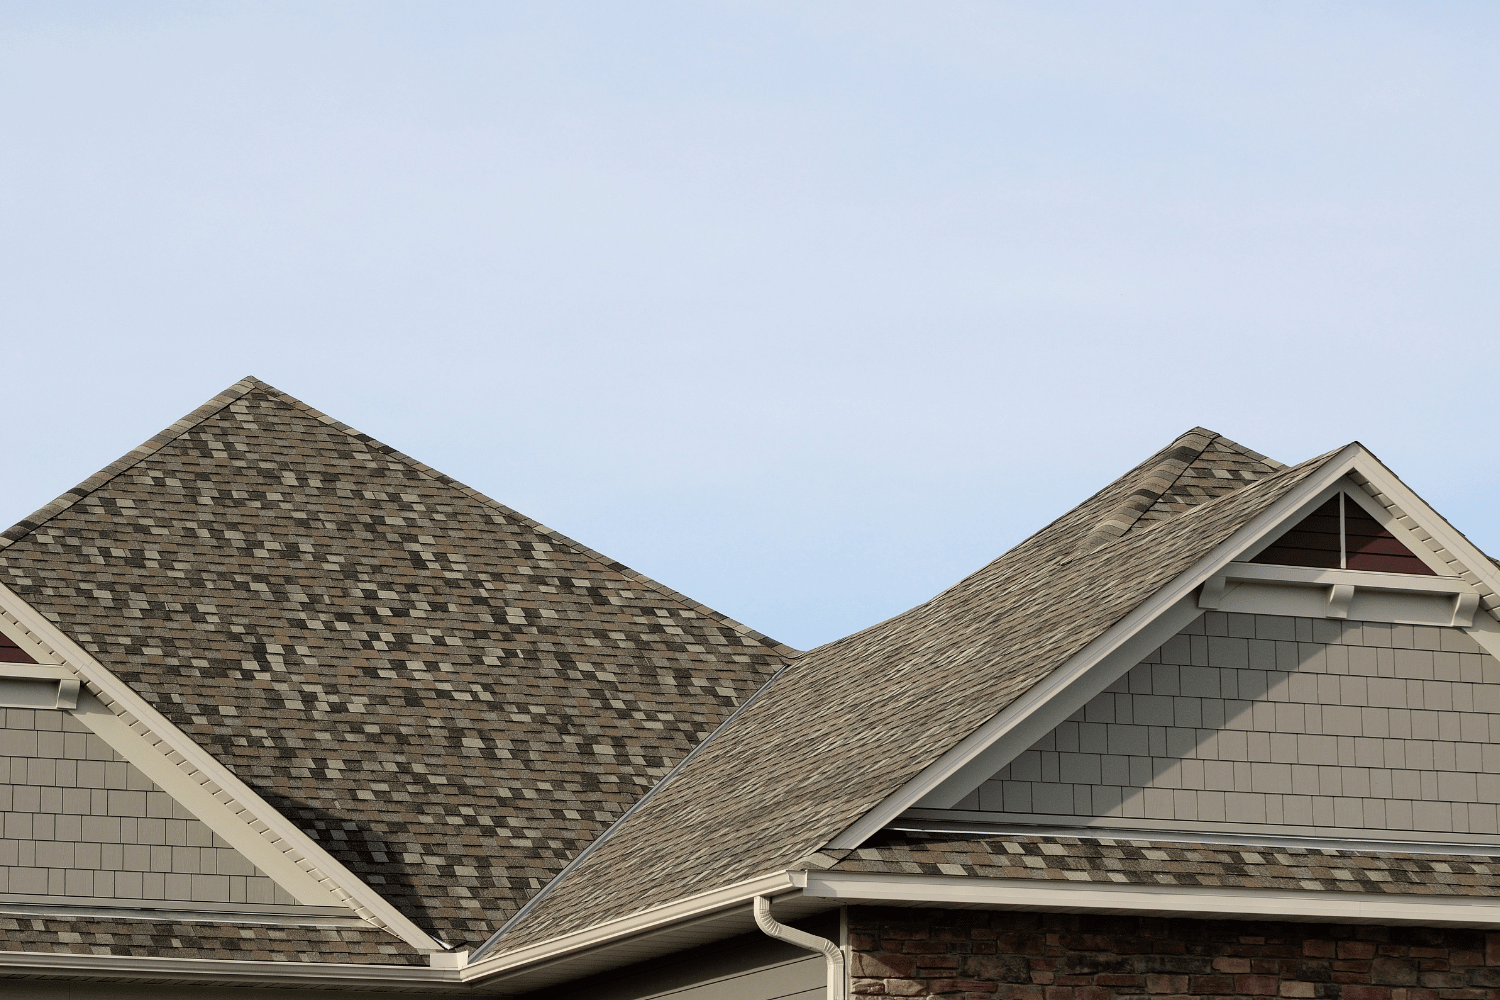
(11, 653)
(1314, 542)
(1367, 546)
(1371, 547)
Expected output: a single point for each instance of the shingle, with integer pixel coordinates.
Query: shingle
(849, 723)
(202, 939)
(450, 698)
(1175, 863)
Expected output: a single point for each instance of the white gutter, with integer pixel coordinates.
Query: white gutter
(833, 955)
(642, 922)
(237, 972)
(1202, 902)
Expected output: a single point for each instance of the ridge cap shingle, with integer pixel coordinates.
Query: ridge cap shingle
(1152, 486)
(249, 384)
(478, 497)
(127, 461)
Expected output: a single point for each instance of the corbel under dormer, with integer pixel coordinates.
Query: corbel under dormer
(1362, 595)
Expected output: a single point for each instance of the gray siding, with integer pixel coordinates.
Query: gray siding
(749, 967)
(1294, 722)
(79, 821)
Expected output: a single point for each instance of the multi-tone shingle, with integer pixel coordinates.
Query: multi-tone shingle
(1143, 862)
(851, 722)
(243, 942)
(452, 699)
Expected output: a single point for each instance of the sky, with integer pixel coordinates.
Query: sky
(804, 309)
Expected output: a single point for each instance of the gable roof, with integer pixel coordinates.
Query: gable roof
(449, 697)
(816, 751)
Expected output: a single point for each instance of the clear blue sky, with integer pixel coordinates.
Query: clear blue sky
(806, 309)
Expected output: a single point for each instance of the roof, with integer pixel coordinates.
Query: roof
(257, 942)
(451, 698)
(851, 722)
(1144, 862)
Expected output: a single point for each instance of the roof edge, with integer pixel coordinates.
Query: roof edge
(47, 512)
(250, 383)
(1218, 902)
(447, 480)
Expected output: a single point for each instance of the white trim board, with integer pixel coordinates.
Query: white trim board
(1353, 470)
(230, 972)
(207, 788)
(1215, 902)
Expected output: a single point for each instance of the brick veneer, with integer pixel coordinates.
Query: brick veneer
(965, 954)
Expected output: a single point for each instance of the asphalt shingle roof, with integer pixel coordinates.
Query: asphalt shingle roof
(1143, 862)
(849, 723)
(221, 941)
(452, 699)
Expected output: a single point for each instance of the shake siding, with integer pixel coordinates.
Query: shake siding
(1305, 723)
(80, 821)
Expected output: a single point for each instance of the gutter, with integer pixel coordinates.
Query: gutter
(833, 955)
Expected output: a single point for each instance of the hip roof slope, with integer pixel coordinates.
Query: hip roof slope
(452, 699)
(851, 722)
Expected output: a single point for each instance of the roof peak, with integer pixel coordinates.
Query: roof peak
(1198, 466)
(250, 384)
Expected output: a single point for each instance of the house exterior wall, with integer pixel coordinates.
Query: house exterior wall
(81, 822)
(969, 954)
(1285, 722)
(747, 967)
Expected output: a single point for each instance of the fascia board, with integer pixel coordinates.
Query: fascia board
(1199, 901)
(1448, 537)
(1179, 589)
(211, 776)
(239, 973)
(632, 925)
(1477, 568)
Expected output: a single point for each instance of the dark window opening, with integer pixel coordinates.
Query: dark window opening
(1342, 535)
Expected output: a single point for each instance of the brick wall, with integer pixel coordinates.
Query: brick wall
(968, 954)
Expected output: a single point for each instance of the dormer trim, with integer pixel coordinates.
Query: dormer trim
(945, 782)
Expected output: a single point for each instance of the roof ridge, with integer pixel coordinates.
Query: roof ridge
(613, 564)
(1251, 453)
(250, 383)
(953, 663)
(134, 456)
(1208, 504)
(1155, 484)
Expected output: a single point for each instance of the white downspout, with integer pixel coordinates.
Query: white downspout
(833, 955)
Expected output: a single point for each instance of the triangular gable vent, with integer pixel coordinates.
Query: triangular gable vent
(1342, 535)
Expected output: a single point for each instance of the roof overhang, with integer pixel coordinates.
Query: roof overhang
(1216, 902)
(1173, 607)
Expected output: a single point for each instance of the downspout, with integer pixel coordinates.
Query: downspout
(833, 955)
